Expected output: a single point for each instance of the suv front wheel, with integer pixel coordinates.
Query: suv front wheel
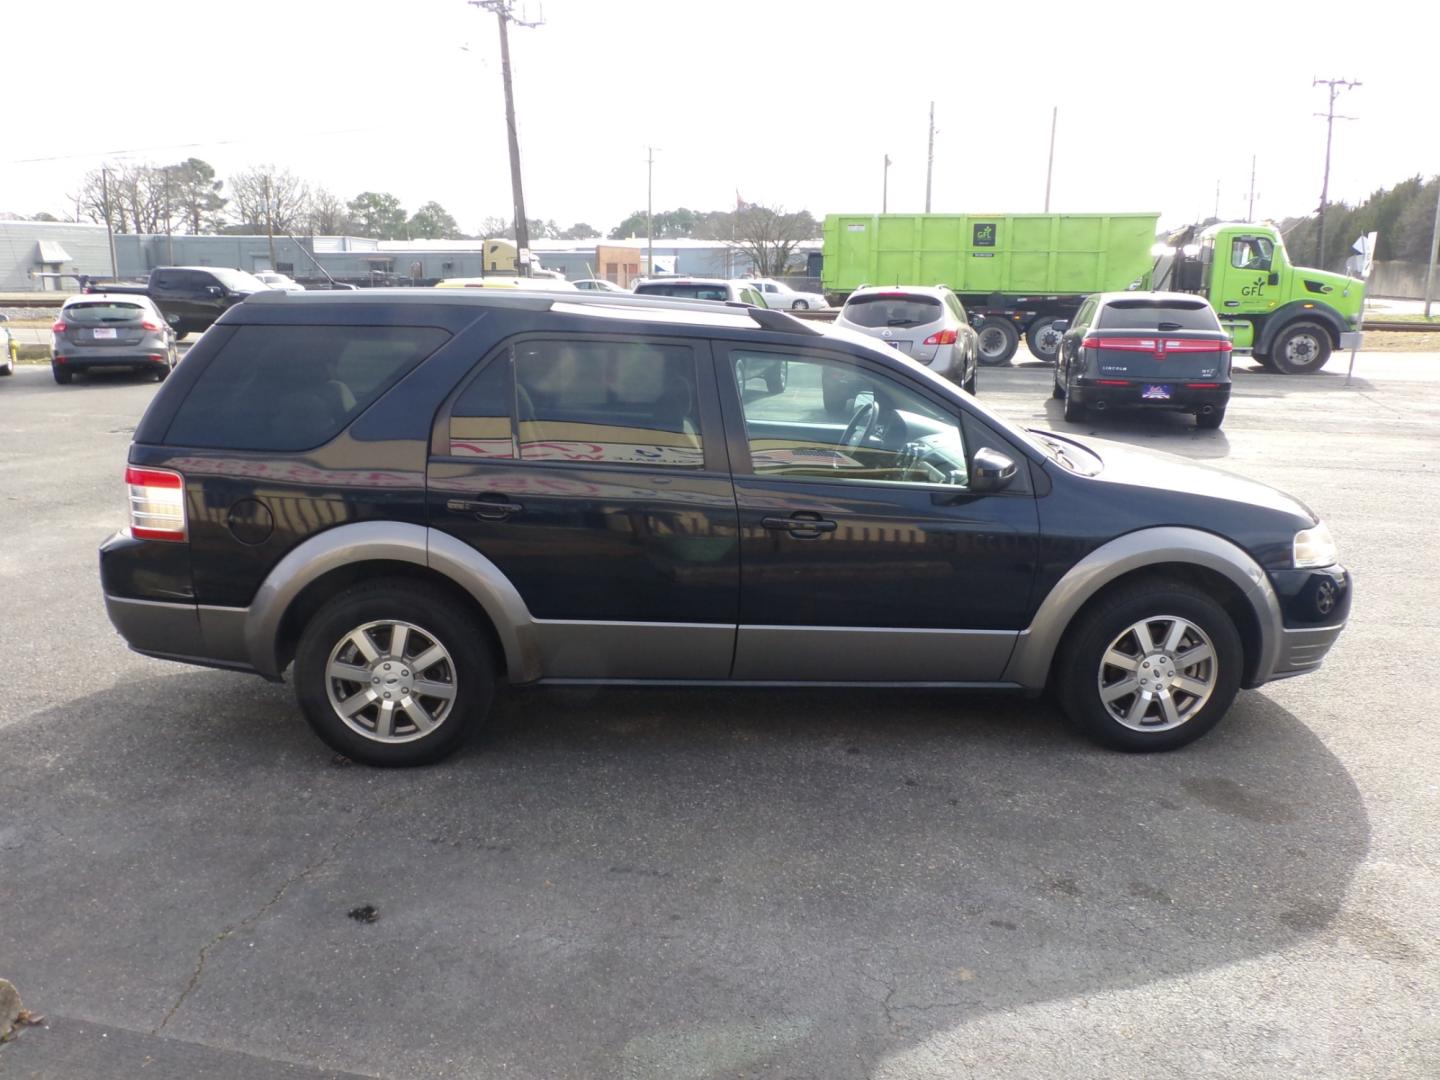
(1152, 667)
(393, 673)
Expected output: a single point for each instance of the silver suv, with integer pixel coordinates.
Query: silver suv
(926, 323)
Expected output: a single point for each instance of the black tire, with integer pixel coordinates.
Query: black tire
(1043, 340)
(969, 384)
(837, 402)
(61, 377)
(800, 305)
(778, 377)
(1264, 361)
(434, 615)
(8, 367)
(1074, 411)
(1081, 669)
(1211, 420)
(163, 373)
(998, 341)
(1301, 348)
(1056, 390)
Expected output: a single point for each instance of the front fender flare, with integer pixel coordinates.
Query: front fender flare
(1035, 649)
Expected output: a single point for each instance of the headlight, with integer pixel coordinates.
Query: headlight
(1315, 547)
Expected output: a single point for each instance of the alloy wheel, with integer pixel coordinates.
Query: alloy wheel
(1157, 673)
(391, 681)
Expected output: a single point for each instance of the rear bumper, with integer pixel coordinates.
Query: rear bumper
(188, 633)
(1132, 395)
(82, 361)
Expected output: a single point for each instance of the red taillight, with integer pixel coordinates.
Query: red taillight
(1112, 382)
(148, 325)
(157, 504)
(1202, 386)
(59, 327)
(943, 337)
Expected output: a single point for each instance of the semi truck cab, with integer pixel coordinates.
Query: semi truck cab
(1290, 317)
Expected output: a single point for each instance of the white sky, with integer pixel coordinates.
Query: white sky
(790, 102)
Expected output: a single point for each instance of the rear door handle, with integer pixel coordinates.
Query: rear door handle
(483, 508)
(804, 528)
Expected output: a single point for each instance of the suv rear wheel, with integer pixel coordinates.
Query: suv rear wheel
(393, 673)
(1152, 667)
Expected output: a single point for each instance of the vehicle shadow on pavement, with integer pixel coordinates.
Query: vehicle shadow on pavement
(642, 883)
(1141, 426)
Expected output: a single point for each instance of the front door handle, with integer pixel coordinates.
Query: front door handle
(483, 508)
(802, 528)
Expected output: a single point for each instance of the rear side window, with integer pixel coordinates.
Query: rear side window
(892, 309)
(622, 403)
(295, 387)
(103, 314)
(1153, 315)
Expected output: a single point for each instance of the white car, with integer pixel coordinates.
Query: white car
(9, 348)
(599, 285)
(275, 280)
(779, 295)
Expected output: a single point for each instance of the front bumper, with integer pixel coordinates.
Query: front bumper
(1314, 606)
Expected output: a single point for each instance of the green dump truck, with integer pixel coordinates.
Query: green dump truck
(1019, 273)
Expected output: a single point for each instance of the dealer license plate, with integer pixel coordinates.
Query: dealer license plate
(104, 332)
(1155, 393)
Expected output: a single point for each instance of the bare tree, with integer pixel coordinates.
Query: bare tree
(769, 236)
(136, 200)
(327, 214)
(266, 198)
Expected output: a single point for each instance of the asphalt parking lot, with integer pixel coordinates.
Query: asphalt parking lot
(684, 885)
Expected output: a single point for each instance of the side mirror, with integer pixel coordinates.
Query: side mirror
(214, 290)
(1060, 325)
(4, 318)
(990, 470)
(1274, 278)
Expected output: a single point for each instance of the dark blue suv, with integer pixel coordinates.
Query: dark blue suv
(414, 495)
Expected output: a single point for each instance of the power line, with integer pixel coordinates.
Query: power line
(183, 146)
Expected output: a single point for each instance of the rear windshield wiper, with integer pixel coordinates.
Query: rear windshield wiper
(1169, 327)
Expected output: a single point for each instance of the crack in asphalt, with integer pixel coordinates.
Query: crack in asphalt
(259, 913)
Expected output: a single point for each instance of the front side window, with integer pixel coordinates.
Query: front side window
(892, 434)
(612, 402)
(1251, 253)
(286, 388)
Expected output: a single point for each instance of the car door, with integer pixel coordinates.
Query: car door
(867, 557)
(1071, 339)
(591, 471)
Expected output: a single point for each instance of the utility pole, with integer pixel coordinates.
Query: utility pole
(1250, 215)
(1217, 200)
(270, 221)
(109, 222)
(1050, 168)
(169, 231)
(1430, 262)
(1335, 85)
(503, 10)
(930, 158)
(649, 210)
(885, 188)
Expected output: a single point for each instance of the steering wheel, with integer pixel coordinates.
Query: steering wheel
(862, 425)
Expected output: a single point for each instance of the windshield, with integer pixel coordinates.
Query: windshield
(892, 309)
(103, 312)
(237, 280)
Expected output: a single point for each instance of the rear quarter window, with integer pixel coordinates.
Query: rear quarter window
(1149, 315)
(285, 388)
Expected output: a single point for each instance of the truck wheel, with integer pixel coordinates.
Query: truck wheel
(1301, 348)
(776, 380)
(393, 673)
(1043, 340)
(837, 401)
(998, 341)
(1151, 667)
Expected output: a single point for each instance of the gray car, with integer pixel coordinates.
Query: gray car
(100, 330)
